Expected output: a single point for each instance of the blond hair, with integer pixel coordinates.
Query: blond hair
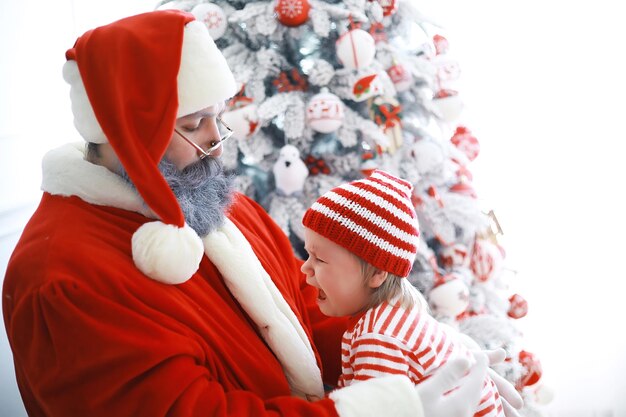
(395, 290)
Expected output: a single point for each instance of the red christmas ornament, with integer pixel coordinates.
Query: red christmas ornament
(462, 173)
(486, 260)
(464, 188)
(292, 12)
(400, 77)
(292, 82)
(446, 93)
(367, 167)
(518, 306)
(466, 142)
(389, 6)
(432, 191)
(471, 313)
(532, 369)
(441, 44)
(239, 99)
(367, 87)
(316, 166)
(377, 30)
(453, 256)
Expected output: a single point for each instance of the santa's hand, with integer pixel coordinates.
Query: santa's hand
(511, 400)
(462, 402)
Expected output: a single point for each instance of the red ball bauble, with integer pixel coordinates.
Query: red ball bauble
(518, 306)
(532, 369)
(292, 12)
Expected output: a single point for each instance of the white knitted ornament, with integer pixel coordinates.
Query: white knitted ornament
(325, 112)
(213, 17)
(290, 171)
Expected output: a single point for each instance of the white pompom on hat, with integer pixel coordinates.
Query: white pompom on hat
(130, 80)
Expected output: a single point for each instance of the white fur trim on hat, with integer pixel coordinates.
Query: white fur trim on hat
(204, 78)
(167, 253)
(84, 117)
(393, 395)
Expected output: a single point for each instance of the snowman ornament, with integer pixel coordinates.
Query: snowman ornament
(290, 171)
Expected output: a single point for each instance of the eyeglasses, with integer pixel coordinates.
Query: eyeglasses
(225, 133)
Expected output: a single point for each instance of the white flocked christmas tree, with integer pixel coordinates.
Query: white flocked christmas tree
(329, 91)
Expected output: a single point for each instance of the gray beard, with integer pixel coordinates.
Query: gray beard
(203, 190)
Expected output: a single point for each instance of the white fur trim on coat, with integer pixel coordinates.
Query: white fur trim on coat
(393, 395)
(67, 173)
(250, 284)
(167, 253)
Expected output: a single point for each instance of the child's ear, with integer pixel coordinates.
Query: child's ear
(378, 278)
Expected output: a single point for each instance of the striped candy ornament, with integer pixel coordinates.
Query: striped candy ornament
(372, 218)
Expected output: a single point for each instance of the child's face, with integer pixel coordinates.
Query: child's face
(337, 274)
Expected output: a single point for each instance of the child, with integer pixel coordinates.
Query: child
(362, 239)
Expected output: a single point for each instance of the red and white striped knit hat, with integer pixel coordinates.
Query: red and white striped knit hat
(373, 218)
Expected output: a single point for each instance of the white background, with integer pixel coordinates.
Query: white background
(543, 83)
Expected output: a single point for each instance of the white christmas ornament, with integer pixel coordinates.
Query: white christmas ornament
(356, 49)
(325, 113)
(542, 393)
(450, 298)
(243, 121)
(448, 107)
(290, 171)
(447, 71)
(386, 113)
(213, 17)
(428, 155)
(401, 77)
(367, 87)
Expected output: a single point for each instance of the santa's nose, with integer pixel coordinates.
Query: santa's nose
(287, 163)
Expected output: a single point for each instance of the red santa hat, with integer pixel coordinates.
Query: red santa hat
(130, 80)
(373, 218)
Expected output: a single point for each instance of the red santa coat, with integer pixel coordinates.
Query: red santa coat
(93, 336)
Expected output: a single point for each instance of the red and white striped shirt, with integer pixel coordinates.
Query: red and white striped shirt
(390, 339)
